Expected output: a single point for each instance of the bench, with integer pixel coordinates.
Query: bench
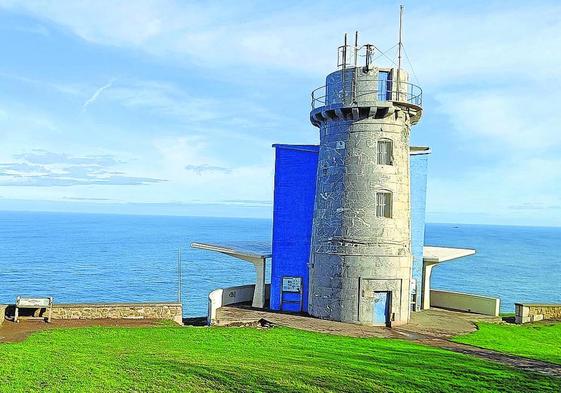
(34, 302)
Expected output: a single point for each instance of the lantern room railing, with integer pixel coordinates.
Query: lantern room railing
(381, 90)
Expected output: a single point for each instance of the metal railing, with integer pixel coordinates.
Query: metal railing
(349, 56)
(382, 90)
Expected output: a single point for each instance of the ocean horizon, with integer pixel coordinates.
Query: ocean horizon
(88, 257)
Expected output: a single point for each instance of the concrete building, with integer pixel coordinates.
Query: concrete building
(296, 168)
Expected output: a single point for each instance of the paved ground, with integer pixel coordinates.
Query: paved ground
(13, 332)
(435, 323)
(445, 323)
(236, 316)
(431, 327)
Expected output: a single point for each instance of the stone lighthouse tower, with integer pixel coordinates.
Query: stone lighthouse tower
(361, 260)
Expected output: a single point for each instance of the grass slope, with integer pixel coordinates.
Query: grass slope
(244, 359)
(536, 340)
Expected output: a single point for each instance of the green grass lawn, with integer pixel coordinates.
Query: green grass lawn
(540, 340)
(244, 359)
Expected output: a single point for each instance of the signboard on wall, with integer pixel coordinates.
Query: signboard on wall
(31, 302)
(292, 284)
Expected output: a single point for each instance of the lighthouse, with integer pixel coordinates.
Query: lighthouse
(348, 239)
(360, 267)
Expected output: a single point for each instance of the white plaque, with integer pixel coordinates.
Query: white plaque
(292, 284)
(33, 302)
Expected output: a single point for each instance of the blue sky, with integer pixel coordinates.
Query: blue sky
(163, 107)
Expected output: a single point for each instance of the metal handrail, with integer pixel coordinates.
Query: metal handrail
(408, 93)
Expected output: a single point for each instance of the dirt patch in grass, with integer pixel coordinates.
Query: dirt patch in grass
(14, 332)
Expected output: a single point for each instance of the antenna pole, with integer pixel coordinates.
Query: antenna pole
(400, 45)
(179, 274)
(356, 47)
(343, 69)
(344, 53)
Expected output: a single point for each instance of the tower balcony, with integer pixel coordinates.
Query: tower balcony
(378, 91)
(351, 96)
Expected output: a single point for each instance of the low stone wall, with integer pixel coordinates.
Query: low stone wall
(532, 312)
(167, 311)
(3, 308)
(465, 302)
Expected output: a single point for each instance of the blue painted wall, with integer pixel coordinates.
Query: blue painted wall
(418, 205)
(295, 187)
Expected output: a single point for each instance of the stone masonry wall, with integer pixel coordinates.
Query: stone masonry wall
(536, 312)
(2, 313)
(167, 311)
(354, 251)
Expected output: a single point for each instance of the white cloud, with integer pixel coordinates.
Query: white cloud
(504, 120)
(79, 90)
(116, 22)
(516, 191)
(493, 71)
(233, 117)
(96, 94)
(445, 42)
(178, 152)
(205, 168)
(218, 35)
(243, 182)
(471, 46)
(164, 99)
(42, 168)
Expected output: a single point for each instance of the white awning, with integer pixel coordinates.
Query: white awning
(255, 256)
(442, 254)
(232, 251)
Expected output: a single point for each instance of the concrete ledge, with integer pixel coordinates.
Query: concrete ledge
(225, 296)
(465, 302)
(162, 310)
(533, 312)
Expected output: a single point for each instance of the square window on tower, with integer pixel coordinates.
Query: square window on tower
(385, 152)
(384, 204)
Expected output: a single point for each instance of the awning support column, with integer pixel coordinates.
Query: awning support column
(433, 256)
(258, 260)
(425, 295)
(259, 293)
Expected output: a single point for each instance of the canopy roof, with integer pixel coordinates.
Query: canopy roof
(241, 251)
(433, 254)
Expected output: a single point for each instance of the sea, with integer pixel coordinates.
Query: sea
(133, 258)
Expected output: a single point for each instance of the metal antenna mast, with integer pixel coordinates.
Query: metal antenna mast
(356, 47)
(400, 45)
(179, 274)
(344, 68)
